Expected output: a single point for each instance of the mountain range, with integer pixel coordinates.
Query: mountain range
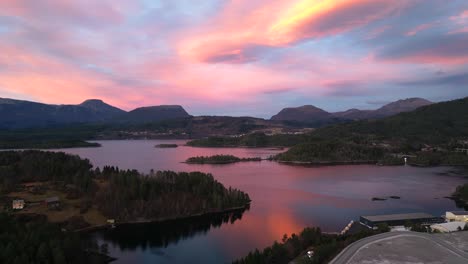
(25, 114)
(17, 114)
(310, 113)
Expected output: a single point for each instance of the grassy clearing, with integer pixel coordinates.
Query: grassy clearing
(68, 207)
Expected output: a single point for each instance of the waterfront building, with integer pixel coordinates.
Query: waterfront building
(373, 221)
(461, 216)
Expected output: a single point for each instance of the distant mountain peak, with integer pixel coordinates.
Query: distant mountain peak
(99, 106)
(412, 100)
(403, 105)
(161, 107)
(155, 113)
(93, 101)
(310, 113)
(25, 114)
(306, 108)
(305, 113)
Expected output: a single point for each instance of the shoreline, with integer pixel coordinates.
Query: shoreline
(364, 162)
(222, 163)
(241, 147)
(329, 163)
(89, 145)
(159, 220)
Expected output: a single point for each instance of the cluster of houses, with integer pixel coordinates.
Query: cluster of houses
(51, 202)
(452, 221)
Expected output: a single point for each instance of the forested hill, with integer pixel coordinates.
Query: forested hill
(433, 135)
(131, 196)
(434, 123)
(125, 195)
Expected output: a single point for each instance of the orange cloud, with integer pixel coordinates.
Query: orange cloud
(234, 53)
(236, 37)
(311, 19)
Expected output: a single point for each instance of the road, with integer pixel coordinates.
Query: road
(350, 252)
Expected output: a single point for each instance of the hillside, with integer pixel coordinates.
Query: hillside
(18, 114)
(24, 114)
(399, 106)
(105, 110)
(306, 113)
(153, 114)
(431, 133)
(433, 123)
(310, 114)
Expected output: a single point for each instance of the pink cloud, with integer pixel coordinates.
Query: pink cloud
(461, 23)
(312, 19)
(462, 16)
(437, 49)
(417, 29)
(230, 36)
(377, 32)
(90, 13)
(50, 80)
(244, 53)
(459, 30)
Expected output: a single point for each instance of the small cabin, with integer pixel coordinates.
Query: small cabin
(52, 202)
(18, 204)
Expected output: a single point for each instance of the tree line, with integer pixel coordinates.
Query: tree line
(219, 159)
(331, 151)
(294, 247)
(130, 195)
(36, 241)
(18, 167)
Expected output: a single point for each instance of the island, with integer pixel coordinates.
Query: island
(219, 159)
(166, 146)
(394, 197)
(57, 191)
(460, 196)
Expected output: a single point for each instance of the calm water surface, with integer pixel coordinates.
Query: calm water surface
(284, 200)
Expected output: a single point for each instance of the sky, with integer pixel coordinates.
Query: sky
(238, 57)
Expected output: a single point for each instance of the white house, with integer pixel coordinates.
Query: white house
(461, 216)
(18, 204)
(448, 227)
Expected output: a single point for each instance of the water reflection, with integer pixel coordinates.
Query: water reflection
(163, 234)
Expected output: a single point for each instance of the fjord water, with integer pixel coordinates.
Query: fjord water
(284, 200)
